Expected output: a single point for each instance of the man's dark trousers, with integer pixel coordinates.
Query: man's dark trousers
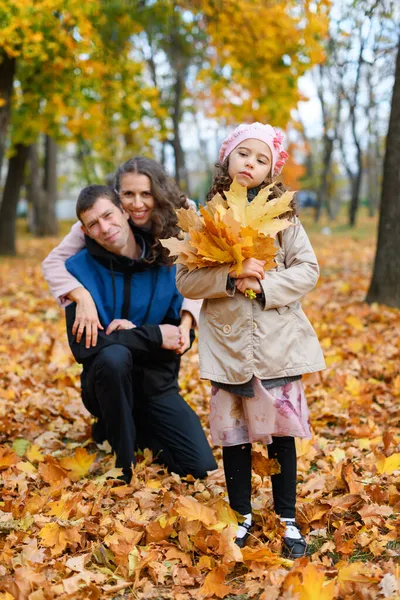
(166, 424)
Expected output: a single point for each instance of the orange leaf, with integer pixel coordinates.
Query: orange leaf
(308, 582)
(51, 470)
(264, 466)
(58, 538)
(351, 575)
(213, 584)
(79, 464)
(7, 457)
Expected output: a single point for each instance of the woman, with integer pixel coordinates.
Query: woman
(150, 197)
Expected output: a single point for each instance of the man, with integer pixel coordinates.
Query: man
(129, 379)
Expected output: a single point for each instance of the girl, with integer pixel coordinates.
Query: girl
(150, 197)
(255, 351)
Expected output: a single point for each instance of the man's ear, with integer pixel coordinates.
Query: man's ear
(126, 214)
(85, 231)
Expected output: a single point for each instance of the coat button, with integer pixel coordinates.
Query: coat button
(227, 329)
(254, 326)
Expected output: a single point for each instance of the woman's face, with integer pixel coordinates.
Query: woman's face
(136, 197)
(250, 163)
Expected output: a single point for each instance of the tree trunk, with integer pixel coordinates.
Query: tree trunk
(355, 191)
(8, 210)
(324, 185)
(7, 71)
(49, 220)
(180, 168)
(385, 284)
(35, 193)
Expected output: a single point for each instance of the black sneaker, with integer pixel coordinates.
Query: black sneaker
(294, 547)
(126, 475)
(241, 541)
(98, 432)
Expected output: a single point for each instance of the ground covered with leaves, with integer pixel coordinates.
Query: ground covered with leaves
(68, 530)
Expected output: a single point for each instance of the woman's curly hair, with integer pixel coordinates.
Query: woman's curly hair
(222, 182)
(167, 198)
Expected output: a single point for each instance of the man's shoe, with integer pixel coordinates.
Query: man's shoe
(293, 547)
(98, 432)
(126, 475)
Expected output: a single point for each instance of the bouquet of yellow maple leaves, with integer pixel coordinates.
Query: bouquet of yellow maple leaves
(229, 231)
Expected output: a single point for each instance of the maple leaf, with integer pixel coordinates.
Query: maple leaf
(51, 470)
(350, 575)
(193, 510)
(225, 516)
(264, 466)
(231, 230)
(214, 583)
(7, 457)
(227, 547)
(388, 464)
(264, 556)
(159, 530)
(34, 454)
(79, 464)
(308, 582)
(58, 538)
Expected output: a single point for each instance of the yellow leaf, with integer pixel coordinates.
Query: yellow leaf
(26, 467)
(308, 582)
(303, 446)
(355, 322)
(58, 538)
(265, 556)
(193, 510)
(349, 573)
(236, 197)
(225, 516)
(353, 385)
(79, 464)
(338, 455)
(389, 464)
(34, 454)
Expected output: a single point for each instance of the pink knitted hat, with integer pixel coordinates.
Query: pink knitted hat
(257, 131)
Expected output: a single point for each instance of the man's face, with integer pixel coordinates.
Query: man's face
(107, 225)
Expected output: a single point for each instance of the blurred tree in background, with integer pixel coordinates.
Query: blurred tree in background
(104, 81)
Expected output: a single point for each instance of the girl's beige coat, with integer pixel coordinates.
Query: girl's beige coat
(238, 338)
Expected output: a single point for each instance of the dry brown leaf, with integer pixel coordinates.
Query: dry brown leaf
(264, 466)
(193, 510)
(214, 584)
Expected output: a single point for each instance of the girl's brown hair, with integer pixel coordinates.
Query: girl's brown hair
(167, 197)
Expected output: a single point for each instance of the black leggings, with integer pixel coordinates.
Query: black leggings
(237, 466)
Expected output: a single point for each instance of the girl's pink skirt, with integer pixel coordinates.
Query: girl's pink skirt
(279, 411)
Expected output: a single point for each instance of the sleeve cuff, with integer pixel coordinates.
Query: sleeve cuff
(230, 286)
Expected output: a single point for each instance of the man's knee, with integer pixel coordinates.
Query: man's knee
(114, 360)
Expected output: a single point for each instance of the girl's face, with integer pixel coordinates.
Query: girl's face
(250, 163)
(136, 197)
